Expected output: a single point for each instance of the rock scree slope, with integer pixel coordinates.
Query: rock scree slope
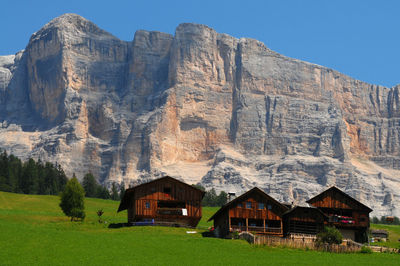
(201, 106)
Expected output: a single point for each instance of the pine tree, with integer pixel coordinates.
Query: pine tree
(49, 179)
(14, 173)
(122, 190)
(89, 185)
(102, 192)
(114, 192)
(41, 179)
(61, 178)
(210, 198)
(222, 198)
(72, 200)
(4, 178)
(30, 179)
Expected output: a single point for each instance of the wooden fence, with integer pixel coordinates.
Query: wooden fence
(302, 242)
(384, 249)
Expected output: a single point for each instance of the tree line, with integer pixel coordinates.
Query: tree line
(37, 177)
(384, 220)
(95, 190)
(30, 177)
(211, 199)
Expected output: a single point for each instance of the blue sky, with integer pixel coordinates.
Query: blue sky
(357, 38)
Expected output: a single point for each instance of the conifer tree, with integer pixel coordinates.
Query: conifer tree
(90, 185)
(222, 198)
(30, 178)
(122, 190)
(102, 192)
(114, 192)
(14, 173)
(72, 200)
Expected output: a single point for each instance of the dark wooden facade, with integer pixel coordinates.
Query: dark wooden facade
(303, 220)
(163, 201)
(347, 214)
(253, 211)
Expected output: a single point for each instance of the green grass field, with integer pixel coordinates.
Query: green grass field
(33, 230)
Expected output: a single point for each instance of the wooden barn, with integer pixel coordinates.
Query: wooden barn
(303, 221)
(253, 211)
(379, 235)
(163, 201)
(347, 214)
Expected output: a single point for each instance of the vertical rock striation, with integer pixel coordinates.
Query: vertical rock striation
(206, 107)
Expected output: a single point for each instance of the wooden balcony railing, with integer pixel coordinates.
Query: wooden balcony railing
(346, 221)
(277, 230)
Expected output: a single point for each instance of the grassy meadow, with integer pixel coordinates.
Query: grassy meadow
(34, 231)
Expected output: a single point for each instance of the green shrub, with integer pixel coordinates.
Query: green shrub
(329, 235)
(235, 235)
(366, 250)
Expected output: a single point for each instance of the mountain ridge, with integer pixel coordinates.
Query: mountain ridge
(201, 106)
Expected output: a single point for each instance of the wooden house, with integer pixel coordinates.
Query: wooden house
(253, 211)
(379, 235)
(347, 214)
(303, 221)
(164, 201)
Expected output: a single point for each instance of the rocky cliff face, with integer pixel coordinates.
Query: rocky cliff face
(201, 106)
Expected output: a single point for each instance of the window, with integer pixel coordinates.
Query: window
(248, 205)
(240, 205)
(269, 207)
(261, 206)
(147, 205)
(362, 219)
(153, 189)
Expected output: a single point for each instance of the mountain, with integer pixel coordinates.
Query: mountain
(201, 106)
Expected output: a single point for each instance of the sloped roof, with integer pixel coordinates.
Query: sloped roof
(379, 231)
(333, 188)
(238, 199)
(129, 192)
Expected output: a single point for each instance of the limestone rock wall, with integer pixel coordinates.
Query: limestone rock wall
(201, 106)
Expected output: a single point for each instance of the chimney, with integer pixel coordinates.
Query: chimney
(231, 196)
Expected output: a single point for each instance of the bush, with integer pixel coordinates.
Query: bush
(330, 235)
(235, 235)
(366, 250)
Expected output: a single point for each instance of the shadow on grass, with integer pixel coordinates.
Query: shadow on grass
(118, 225)
(207, 234)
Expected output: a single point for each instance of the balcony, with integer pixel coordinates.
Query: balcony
(169, 211)
(345, 221)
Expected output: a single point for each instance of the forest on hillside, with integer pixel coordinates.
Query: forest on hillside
(45, 178)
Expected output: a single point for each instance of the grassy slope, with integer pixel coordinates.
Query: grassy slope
(33, 230)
